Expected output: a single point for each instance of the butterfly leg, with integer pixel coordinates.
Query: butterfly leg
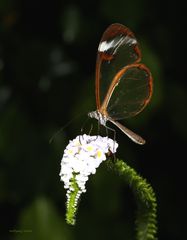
(114, 139)
(91, 128)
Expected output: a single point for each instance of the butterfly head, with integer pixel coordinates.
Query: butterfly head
(100, 117)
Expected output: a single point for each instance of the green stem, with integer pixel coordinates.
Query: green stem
(72, 202)
(146, 224)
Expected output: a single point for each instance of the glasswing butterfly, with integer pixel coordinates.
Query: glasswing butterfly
(123, 86)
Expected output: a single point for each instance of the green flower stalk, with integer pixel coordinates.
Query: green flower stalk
(146, 223)
(73, 196)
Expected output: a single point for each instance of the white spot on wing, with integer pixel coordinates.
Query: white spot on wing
(104, 46)
(116, 43)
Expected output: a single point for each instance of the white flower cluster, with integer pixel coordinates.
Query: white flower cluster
(81, 158)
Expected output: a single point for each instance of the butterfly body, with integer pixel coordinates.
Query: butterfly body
(103, 120)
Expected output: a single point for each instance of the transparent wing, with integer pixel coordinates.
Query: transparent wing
(130, 93)
(118, 48)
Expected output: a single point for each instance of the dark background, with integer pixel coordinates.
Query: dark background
(47, 67)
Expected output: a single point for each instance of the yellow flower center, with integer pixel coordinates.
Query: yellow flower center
(89, 148)
(70, 151)
(99, 154)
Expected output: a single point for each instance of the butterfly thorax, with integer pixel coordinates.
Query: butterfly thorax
(99, 116)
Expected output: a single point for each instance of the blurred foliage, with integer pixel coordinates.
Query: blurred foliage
(47, 66)
(41, 221)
